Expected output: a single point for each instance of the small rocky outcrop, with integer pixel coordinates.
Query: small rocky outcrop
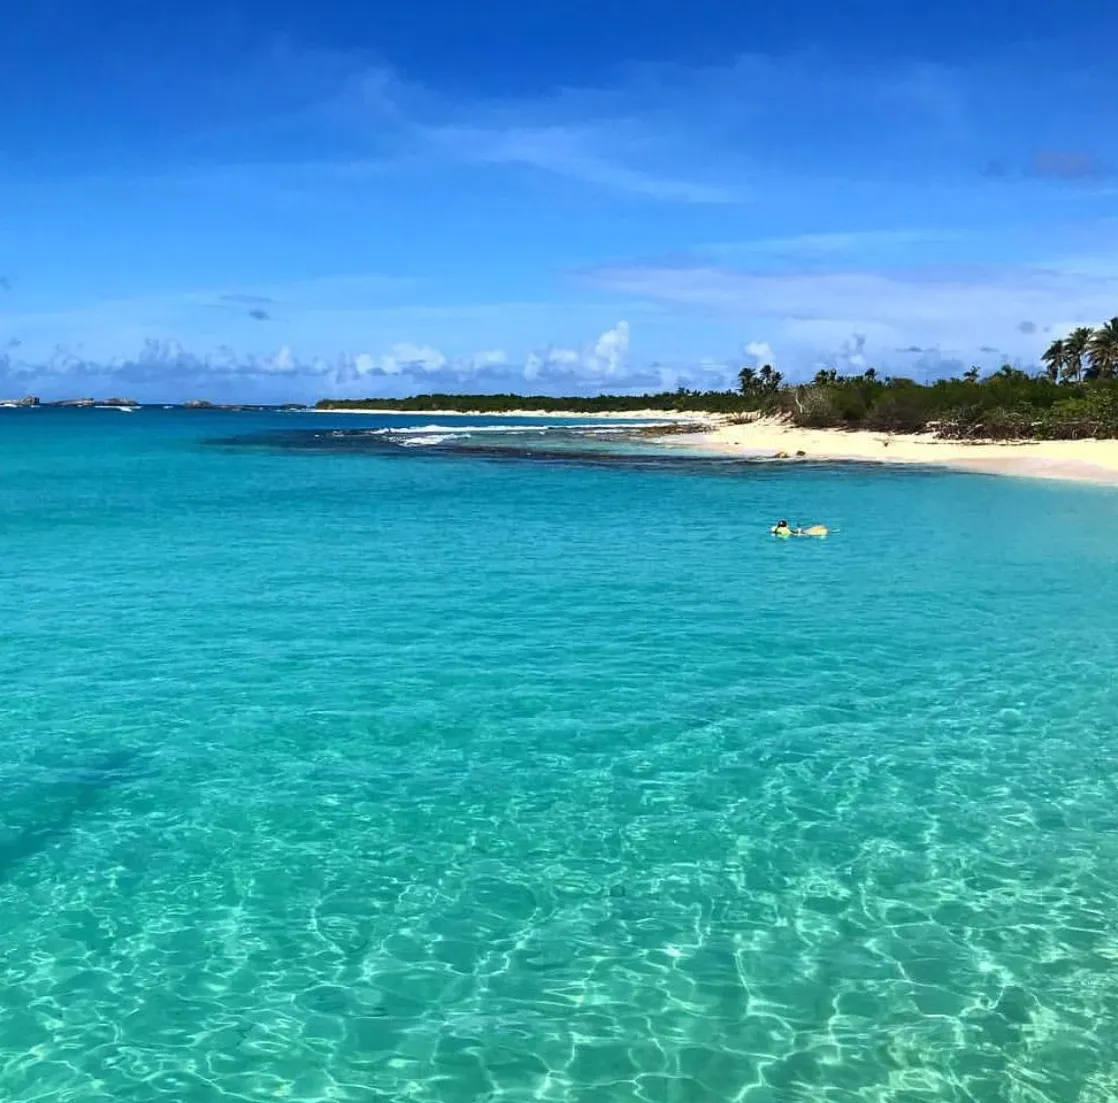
(198, 404)
(76, 402)
(666, 429)
(118, 402)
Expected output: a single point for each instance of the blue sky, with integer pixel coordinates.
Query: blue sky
(287, 200)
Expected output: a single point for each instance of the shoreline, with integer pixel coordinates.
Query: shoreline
(1088, 461)
(664, 417)
(1093, 461)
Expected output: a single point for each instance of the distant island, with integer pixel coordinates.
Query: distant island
(131, 403)
(70, 403)
(202, 404)
(87, 402)
(1075, 397)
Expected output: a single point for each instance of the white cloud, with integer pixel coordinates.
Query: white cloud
(403, 357)
(534, 365)
(563, 358)
(489, 358)
(960, 306)
(421, 357)
(538, 365)
(829, 244)
(283, 361)
(591, 135)
(851, 358)
(746, 123)
(611, 350)
(851, 320)
(760, 351)
(600, 363)
(164, 370)
(571, 151)
(757, 118)
(364, 363)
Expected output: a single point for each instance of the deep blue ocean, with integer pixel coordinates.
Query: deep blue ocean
(350, 766)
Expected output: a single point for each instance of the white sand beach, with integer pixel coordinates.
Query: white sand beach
(1084, 460)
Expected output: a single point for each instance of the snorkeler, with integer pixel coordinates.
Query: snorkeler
(782, 528)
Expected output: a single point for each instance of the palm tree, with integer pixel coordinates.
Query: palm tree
(769, 379)
(747, 380)
(1055, 359)
(1076, 346)
(1103, 351)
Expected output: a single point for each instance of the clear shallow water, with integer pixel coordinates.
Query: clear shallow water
(391, 773)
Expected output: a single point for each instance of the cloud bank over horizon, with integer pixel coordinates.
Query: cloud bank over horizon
(167, 372)
(920, 322)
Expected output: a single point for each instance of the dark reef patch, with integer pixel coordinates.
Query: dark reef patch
(618, 449)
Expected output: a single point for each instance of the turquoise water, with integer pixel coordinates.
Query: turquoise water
(338, 769)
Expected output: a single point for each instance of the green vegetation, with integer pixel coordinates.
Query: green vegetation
(1075, 396)
(728, 402)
